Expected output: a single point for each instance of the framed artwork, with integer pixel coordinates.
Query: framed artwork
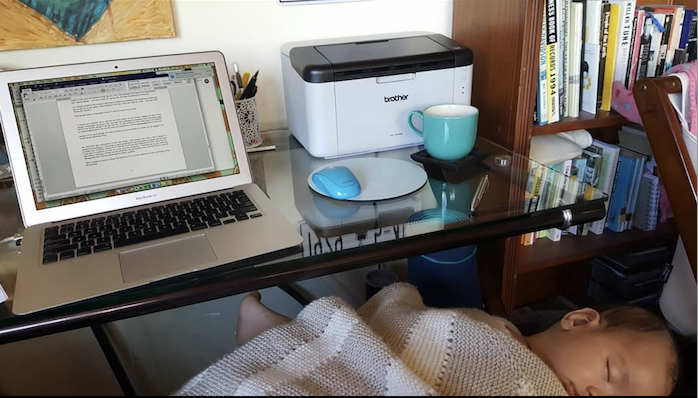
(53, 23)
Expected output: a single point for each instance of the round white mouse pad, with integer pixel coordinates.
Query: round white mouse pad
(380, 178)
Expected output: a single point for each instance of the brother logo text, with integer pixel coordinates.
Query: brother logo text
(395, 98)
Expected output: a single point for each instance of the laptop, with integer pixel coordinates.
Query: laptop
(129, 172)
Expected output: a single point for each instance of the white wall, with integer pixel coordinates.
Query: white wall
(251, 33)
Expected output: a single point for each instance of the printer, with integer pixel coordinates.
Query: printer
(352, 95)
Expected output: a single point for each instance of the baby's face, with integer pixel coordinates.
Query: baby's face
(611, 362)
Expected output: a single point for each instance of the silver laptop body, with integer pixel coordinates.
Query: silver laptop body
(129, 172)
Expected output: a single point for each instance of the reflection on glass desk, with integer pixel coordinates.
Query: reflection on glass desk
(339, 236)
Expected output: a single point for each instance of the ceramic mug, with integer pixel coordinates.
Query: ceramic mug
(449, 131)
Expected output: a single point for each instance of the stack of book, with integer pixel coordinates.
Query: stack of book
(586, 45)
(626, 172)
(636, 278)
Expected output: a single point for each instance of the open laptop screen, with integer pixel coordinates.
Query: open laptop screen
(94, 136)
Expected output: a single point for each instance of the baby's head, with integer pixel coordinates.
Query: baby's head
(620, 351)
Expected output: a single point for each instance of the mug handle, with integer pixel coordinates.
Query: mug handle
(411, 126)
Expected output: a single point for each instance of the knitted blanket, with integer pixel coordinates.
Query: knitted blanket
(393, 345)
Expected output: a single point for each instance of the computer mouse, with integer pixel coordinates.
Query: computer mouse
(337, 182)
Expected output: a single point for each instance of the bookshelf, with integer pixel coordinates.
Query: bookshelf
(505, 39)
(546, 253)
(585, 121)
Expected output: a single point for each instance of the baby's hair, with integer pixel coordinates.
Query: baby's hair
(640, 320)
(636, 319)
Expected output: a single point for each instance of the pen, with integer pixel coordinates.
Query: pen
(480, 192)
(251, 86)
(238, 79)
(245, 79)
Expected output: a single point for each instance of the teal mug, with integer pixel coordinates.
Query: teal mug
(449, 130)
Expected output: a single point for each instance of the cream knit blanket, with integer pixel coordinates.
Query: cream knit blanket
(393, 345)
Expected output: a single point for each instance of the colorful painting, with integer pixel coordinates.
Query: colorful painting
(52, 23)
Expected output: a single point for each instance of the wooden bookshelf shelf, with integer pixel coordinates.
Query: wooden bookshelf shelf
(546, 253)
(505, 93)
(584, 121)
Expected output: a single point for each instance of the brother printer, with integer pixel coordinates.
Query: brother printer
(352, 95)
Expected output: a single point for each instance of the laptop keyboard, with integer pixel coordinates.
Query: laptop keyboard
(99, 234)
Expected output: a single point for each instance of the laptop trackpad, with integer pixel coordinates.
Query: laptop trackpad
(155, 261)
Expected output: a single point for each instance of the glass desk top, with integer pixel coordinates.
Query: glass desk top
(522, 196)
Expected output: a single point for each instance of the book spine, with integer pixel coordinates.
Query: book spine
(552, 58)
(538, 171)
(534, 204)
(555, 234)
(586, 187)
(593, 171)
(529, 186)
(550, 194)
(675, 38)
(639, 171)
(614, 25)
(527, 239)
(606, 180)
(543, 77)
(563, 63)
(625, 30)
(613, 219)
(631, 55)
(635, 55)
(663, 46)
(691, 46)
(679, 55)
(575, 58)
(641, 220)
(541, 174)
(628, 190)
(590, 55)
(591, 178)
(570, 193)
(590, 77)
(549, 187)
(649, 211)
(543, 199)
(645, 46)
(582, 41)
(603, 58)
(686, 27)
(629, 199)
(566, 181)
(581, 163)
(577, 184)
(656, 25)
(592, 21)
(556, 188)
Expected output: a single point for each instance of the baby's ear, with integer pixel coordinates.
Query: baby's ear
(582, 318)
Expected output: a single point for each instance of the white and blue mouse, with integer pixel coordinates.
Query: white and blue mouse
(337, 182)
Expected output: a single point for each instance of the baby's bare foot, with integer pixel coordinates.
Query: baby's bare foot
(254, 318)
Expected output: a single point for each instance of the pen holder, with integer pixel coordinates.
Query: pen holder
(249, 122)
